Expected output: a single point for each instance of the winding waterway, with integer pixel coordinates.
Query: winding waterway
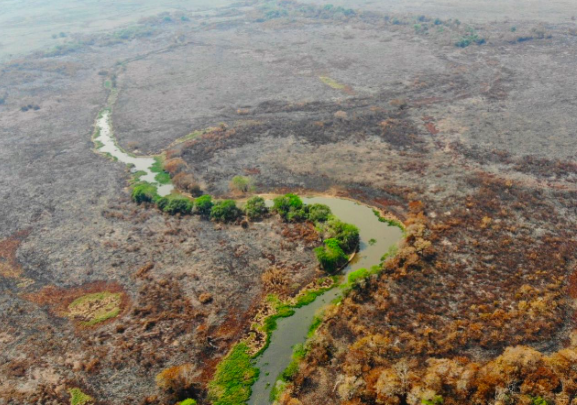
(106, 144)
(376, 239)
(293, 330)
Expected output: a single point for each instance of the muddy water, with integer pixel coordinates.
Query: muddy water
(293, 330)
(106, 137)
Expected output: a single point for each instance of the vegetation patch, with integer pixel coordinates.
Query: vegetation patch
(225, 211)
(144, 193)
(233, 378)
(332, 83)
(175, 204)
(95, 308)
(77, 397)
(255, 208)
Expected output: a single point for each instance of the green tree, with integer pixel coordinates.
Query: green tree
(242, 184)
(331, 256)
(347, 235)
(175, 204)
(203, 205)
(255, 208)
(225, 211)
(318, 212)
(289, 207)
(144, 192)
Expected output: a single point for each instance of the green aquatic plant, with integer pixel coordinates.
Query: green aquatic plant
(233, 378)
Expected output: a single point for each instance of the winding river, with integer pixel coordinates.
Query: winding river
(293, 330)
(106, 144)
(376, 239)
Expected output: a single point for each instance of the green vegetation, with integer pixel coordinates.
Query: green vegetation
(436, 400)
(96, 307)
(203, 205)
(233, 378)
(393, 249)
(471, 38)
(163, 177)
(372, 241)
(358, 275)
(130, 33)
(144, 193)
(188, 401)
(346, 235)
(317, 321)
(299, 353)
(77, 397)
(331, 256)
(175, 204)
(255, 208)
(539, 401)
(318, 212)
(242, 184)
(289, 207)
(332, 83)
(391, 222)
(225, 211)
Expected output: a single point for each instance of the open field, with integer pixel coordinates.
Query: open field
(463, 130)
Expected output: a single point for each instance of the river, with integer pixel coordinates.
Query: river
(293, 330)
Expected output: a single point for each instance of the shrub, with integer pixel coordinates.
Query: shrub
(331, 256)
(178, 380)
(144, 192)
(347, 235)
(188, 401)
(225, 211)
(176, 204)
(241, 184)
(289, 207)
(203, 205)
(318, 212)
(174, 166)
(186, 182)
(255, 208)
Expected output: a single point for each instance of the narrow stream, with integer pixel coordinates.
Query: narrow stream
(109, 145)
(293, 330)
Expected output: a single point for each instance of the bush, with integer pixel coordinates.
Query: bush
(330, 256)
(225, 211)
(176, 204)
(347, 235)
(203, 205)
(318, 212)
(144, 193)
(186, 182)
(174, 166)
(255, 208)
(241, 184)
(289, 207)
(188, 401)
(178, 380)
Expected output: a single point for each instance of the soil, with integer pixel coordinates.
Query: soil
(482, 136)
